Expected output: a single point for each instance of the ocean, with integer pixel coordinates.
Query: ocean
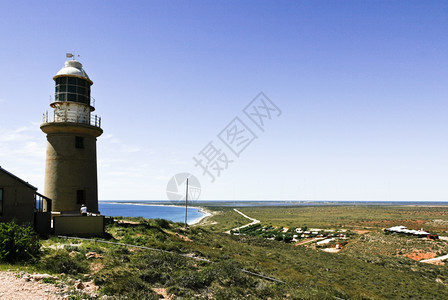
(150, 211)
(153, 209)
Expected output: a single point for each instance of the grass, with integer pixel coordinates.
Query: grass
(434, 219)
(371, 266)
(224, 218)
(309, 273)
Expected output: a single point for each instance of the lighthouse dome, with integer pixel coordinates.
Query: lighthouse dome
(73, 68)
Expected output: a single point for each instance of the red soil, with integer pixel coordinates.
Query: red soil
(420, 255)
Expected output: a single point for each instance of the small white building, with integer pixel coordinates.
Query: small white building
(404, 230)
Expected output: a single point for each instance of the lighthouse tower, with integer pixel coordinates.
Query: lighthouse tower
(71, 167)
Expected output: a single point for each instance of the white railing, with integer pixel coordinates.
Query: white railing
(72, 117)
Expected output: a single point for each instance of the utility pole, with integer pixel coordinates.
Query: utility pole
(186, 205)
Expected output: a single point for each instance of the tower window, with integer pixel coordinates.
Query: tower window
(79, 142)
(80, 197)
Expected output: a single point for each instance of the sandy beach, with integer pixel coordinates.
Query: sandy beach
(207, 213)
(193, 219)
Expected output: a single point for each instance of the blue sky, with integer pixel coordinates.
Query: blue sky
(362, 87)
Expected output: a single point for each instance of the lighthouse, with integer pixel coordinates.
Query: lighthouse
(72, 130)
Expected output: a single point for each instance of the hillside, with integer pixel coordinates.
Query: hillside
(202, 262)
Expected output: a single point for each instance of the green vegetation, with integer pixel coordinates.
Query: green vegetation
(285, 234)
(204, 263)
(433, 219)
(225, 218)
(308, 273)
(267, 232)
(380, 244)
(17, 243)
(60, 261)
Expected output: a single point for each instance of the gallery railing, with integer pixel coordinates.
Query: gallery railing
(73, 117)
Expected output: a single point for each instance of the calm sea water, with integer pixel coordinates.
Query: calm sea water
(150, 211)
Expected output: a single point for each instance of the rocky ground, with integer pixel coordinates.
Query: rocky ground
(13, 287)
(23, 286)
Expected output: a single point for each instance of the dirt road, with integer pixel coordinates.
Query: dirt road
(254, 221)
(14, 288)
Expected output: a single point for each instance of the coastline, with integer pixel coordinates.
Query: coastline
(292, 203)
(207, 213)
(142, 204)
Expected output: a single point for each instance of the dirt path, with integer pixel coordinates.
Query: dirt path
(435, 259)
(254, 221)
(309, 241)
(13, 288)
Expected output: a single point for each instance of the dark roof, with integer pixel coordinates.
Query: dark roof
(18, 179)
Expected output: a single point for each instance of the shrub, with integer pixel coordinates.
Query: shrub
(192, 280)
(162, 223)
(279, 237)
(71, 248)
(49, 280)
(60, 261)
(123, 281)
(17, 243)
(181, 292)
(287, 238)
(227, 273)
(230, 293)
(152, 276)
